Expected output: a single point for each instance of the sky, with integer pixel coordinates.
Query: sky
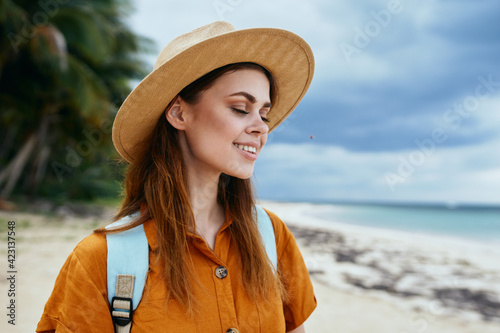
(404, 105)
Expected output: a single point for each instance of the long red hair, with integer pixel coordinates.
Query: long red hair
(157, 182)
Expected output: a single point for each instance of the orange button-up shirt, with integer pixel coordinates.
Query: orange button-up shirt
(79, 301)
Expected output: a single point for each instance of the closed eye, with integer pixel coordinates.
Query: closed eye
(264, 119)
(240, 111)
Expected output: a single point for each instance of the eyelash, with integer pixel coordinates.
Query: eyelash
(266, 120)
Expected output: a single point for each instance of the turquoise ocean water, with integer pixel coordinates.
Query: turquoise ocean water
(479, 223)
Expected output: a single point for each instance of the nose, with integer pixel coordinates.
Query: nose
(257, 125)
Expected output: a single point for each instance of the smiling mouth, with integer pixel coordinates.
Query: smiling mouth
(249, 149)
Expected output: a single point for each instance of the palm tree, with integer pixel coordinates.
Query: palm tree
(65, 67)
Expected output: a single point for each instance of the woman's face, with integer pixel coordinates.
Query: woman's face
(225, 130)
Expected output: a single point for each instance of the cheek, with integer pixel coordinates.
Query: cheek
(212, 133)
(220, 131)
(264, 139)
(223, 128)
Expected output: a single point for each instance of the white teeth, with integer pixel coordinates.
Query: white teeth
(246, 148)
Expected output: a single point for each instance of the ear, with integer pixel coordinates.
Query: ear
(176, 113)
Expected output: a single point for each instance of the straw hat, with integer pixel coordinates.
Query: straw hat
(194, 54)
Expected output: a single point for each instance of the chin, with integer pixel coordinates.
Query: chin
(239, 170)
(241, 174)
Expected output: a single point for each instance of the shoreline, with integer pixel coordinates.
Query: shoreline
(297, 213)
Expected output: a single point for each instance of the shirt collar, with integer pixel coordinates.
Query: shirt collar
(150, 230)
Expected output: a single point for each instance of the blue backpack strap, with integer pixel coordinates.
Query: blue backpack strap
(127, 260)
(266, 230)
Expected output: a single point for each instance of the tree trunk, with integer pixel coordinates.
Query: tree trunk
(42, 166)
(12, 172)
(8, 141)
(40, 160)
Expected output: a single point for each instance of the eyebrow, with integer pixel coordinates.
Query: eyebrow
(250, 98)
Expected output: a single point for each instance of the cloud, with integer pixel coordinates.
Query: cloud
(404, 79)
(372, 125)
(310, 172)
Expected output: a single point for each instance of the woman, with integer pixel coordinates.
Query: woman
(192, 131)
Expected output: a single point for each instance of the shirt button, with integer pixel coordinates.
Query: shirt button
(232, 330)
(221, 272)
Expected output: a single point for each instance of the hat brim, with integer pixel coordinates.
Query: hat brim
(285, 55)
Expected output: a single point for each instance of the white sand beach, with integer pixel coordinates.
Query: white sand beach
(365, 280)
(377, 280)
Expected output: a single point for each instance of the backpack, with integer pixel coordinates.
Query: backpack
(128, 264)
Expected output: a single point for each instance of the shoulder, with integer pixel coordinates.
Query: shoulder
(278, 224)
(86, 266)
(81, 284)
(301, 300)
(281, 231)
(91, 248)
(91, 256)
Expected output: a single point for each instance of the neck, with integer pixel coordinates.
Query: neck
(208, 213)
(202, 184)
